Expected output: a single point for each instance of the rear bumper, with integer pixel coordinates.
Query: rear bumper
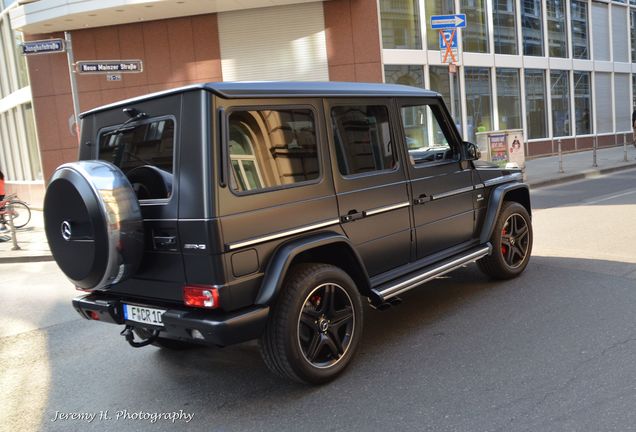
(217, 327)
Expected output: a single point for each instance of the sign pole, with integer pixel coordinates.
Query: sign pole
(71, 73)
(451, 81)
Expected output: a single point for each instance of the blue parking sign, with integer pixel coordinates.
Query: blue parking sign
(446, 35)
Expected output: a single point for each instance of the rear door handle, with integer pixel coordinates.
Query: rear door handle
(420, 200)
(352, 215)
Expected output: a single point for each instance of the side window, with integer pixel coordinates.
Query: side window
(272, 148)
(425, 138)
(363, 139)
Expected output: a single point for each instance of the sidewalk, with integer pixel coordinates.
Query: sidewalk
(540, 173)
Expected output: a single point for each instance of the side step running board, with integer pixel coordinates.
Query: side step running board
(388, 290)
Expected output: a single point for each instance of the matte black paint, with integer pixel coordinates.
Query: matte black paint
(207, 219)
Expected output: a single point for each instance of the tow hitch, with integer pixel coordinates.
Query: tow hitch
(127, 332)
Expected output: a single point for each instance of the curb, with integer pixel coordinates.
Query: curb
(26, 259)
(565, 178)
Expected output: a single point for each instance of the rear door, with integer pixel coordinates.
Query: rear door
(146, 151)
(441, 183)
(370, 181)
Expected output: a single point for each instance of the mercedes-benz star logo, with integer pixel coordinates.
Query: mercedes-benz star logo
(66, 230)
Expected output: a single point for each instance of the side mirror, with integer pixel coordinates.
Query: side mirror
(472, 151)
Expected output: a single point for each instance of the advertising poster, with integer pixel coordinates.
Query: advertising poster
(516, 151)
(498, 149)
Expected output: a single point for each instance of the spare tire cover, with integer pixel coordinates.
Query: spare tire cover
(93, 224)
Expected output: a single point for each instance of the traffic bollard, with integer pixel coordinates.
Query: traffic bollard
(624, 147)
(594, 164)
(12, 227)
(560, 157)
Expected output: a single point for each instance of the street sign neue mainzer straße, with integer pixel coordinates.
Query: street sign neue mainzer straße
(109, 66)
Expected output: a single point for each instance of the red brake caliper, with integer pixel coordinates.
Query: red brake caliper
(504, 249)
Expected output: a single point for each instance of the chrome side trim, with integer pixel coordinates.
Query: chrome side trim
(386, 208)
(503, 179)
(451, 193)
(430, 274)
(282, 234)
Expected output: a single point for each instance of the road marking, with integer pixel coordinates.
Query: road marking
(607, 198)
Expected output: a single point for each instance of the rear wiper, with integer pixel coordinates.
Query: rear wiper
(120, 130)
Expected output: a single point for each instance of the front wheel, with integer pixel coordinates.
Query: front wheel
(511, 241)
(20, 213)
(315, 326)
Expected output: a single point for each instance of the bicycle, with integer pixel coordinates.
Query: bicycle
(16, 209)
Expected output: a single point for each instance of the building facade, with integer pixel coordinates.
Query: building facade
(19, 154)
(558, 69)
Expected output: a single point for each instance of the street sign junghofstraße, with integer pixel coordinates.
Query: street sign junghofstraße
(48, 46)
(109, 66)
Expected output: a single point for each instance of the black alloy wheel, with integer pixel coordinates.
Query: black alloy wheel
(511, 241)
(515, 237)
(315, 325)
(326, 325)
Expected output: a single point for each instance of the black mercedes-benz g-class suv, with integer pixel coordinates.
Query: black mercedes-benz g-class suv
(219, 213)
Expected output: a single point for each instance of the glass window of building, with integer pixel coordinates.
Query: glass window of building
(440, 82)
(582, 103)
(436, 7)
(475, 35)
(600, 34)
(532, 27)
(19, 153)
(411, 75)
(508, 98)
(557, 28)
(633, 33)
(580, 40)
(478, 101)
(622, 103)
(560, 90)
(505, 26)
(603, 102)
(619, 32)
(536, 110)
(634, 89)
(400, 24)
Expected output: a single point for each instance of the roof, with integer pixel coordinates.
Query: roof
(233, 90)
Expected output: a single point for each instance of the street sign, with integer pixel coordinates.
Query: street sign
(448, 21)
(48, 46)
(113, 77)
(448, 48)
(109, 66)
(449, 35)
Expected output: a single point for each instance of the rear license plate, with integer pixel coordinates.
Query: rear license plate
(142, 314)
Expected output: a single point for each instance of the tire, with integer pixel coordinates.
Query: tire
(511, 241)
(315, 326)
(93, 224)
(160, 342)
(21, 214)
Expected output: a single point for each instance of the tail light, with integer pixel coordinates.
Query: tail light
(201, 296)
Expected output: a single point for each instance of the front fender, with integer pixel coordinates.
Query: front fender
(285, 254)
(497, 198)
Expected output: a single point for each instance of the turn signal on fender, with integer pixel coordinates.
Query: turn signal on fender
(201, 296)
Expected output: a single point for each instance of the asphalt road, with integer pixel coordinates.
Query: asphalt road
(554, 350)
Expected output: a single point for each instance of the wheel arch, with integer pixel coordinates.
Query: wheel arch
(327, 248)
(510, 192)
